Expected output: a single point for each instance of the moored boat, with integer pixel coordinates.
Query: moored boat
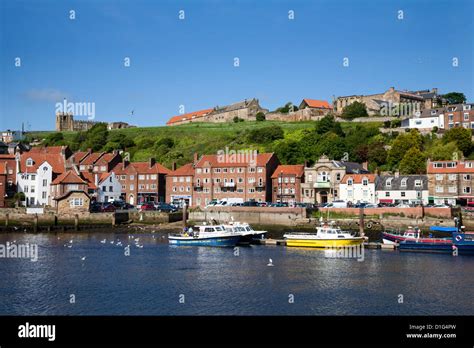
(326, 236)
(248, 234)
(464, 243)
(206, 235)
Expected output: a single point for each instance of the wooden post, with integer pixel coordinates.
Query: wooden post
(55, 220)
(361, 221)
(185, 211)
(7, 219)
(113, 219)
(76, 222)
(35, 223)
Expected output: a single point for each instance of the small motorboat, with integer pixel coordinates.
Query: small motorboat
(249, 235)
(206, 235)
(326, 236)
(412, 234)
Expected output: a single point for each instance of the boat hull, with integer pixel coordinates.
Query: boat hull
(464, 243)
(230, 241)
(426, 247)
(323, 243)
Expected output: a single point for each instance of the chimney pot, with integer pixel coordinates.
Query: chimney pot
(173, 166)
(195, 157)
(151, 162)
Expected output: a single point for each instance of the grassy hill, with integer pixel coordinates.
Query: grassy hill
(204, 138)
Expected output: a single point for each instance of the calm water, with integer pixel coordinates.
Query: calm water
(214, 281)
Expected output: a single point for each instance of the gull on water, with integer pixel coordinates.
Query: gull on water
(103, 241)
(83, 258)
(270, 262)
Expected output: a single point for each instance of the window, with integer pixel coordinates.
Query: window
(452, 176)
(124, 187)
(387, 194)
(104, 188)
(418, 183)
(206, 170)
(153, 177)
(174, 189)
(29, 162)
(10, 171)
(32, 190)
(103, 168)
(224, 170)
(110, 178)
(123, 177)
(25, 189)
(43, 195)
(437, 165)
(141, 186)
(240, 180)
(403, 183)
(338, 176)
(466, 176)
(252, 170)
(111, 188)
(451, 165)
(76, 202)
(350, 182)
(217, 170)
(388, 182)
(365, 182)
(132, 187)
(141, 177)
(251, 190)
(468, 164)
(292, 180)
(365, 193)
(153, 186)
(439, 189)
(349, 193)
(452, 189)
(33, 177)
(260, 170)
(45, 182)
(402, 194)
(181, 179)
(466, 116)
(175, 179)
(467, 189)
(132, 177)
(232, 170)
(198, 170)
(439, 177)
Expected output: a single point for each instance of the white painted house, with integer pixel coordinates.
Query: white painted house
(109, 188)
(404, 189)
(35, 172)
(358, 188)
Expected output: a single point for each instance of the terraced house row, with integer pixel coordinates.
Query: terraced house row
(45, 175)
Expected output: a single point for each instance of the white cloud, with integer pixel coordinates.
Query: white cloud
(46, 94)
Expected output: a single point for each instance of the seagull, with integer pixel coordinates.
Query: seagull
(71, 241)
(137, 239)
(69, 246)
(103, 241)
(131, 113)
(119, 244)
(83, 258)
(112, 242)
(15, 228)
(270, 263)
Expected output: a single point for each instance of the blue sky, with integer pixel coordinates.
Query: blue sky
(190, 62)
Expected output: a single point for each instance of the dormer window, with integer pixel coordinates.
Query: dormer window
(403, 182)
(388, 183)
(350, 182)
(438, 165)
(365, 181)
(45, 169)
(29, 162)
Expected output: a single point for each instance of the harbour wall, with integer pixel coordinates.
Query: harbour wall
(412, 212)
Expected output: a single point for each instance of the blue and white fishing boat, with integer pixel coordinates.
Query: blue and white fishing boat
(433, 245)
(206, 235)
(464, 243)
(249, 235)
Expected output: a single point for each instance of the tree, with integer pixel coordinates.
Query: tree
(96, 137)
(462, 138)
(289, 152)
(414, 162)
(356, 109)
(328, 124)
(454, 98)
(237, 119)
(54, 139)
(265, 134)
(118, 141)
(287, 108)
(260, 116)
(18, 198)
(377, 153)
(441, 151)
(403, 143)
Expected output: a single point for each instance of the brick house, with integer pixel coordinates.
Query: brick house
(286, 183)
(142, 181)
(9, 162)
(179, 185)
(245, 177)
(72, 202)
(67, 181)
(3, 183)
(450, 182)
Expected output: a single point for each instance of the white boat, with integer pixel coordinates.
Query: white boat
(326, 235)
(245, 230)
(206, 235)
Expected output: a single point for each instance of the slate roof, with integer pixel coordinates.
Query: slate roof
(396, 183)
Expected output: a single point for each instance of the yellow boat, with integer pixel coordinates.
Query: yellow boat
(326, 236)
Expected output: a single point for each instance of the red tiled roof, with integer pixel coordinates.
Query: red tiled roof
(460, 167)
(66, 194)
(47, 149)
(90, 179)
(313, 103)
(140, 168)
(54, 159)
(7, 157)
(357, 178)
(69, 177)
(79, 156)
(297, 170)
(190, 115)
(106, 158)
(214, 161)
(186, 170)
(92, 158)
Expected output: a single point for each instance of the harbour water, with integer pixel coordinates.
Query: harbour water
(159, 279)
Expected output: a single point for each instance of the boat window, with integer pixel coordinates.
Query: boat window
(219, 228)
(248, 229)
(208, 229)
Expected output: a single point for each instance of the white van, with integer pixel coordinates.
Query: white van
(337, 204)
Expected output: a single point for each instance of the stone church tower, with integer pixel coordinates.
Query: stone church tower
(64, 122)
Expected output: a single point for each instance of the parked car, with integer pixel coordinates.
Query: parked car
(441, 206)
(165, 207)
(337, 204)
(262, 204)
(96, 207)
(108, 208)
(250, 204)
(147, 206)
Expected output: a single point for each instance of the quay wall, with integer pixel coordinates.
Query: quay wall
(412, 212)
(254, 215)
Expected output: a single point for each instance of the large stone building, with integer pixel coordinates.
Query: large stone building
(392, 102)
(66, 122)
(245, 110)
(308, 110)
(321, 181)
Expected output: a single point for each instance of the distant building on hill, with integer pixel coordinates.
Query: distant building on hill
(66, 123)
(246, 110)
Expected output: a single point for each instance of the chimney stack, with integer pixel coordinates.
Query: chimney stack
(195, 158)
(365, 165)
(96, 181)
(173, 166)
(151, 162)
(124, 163)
